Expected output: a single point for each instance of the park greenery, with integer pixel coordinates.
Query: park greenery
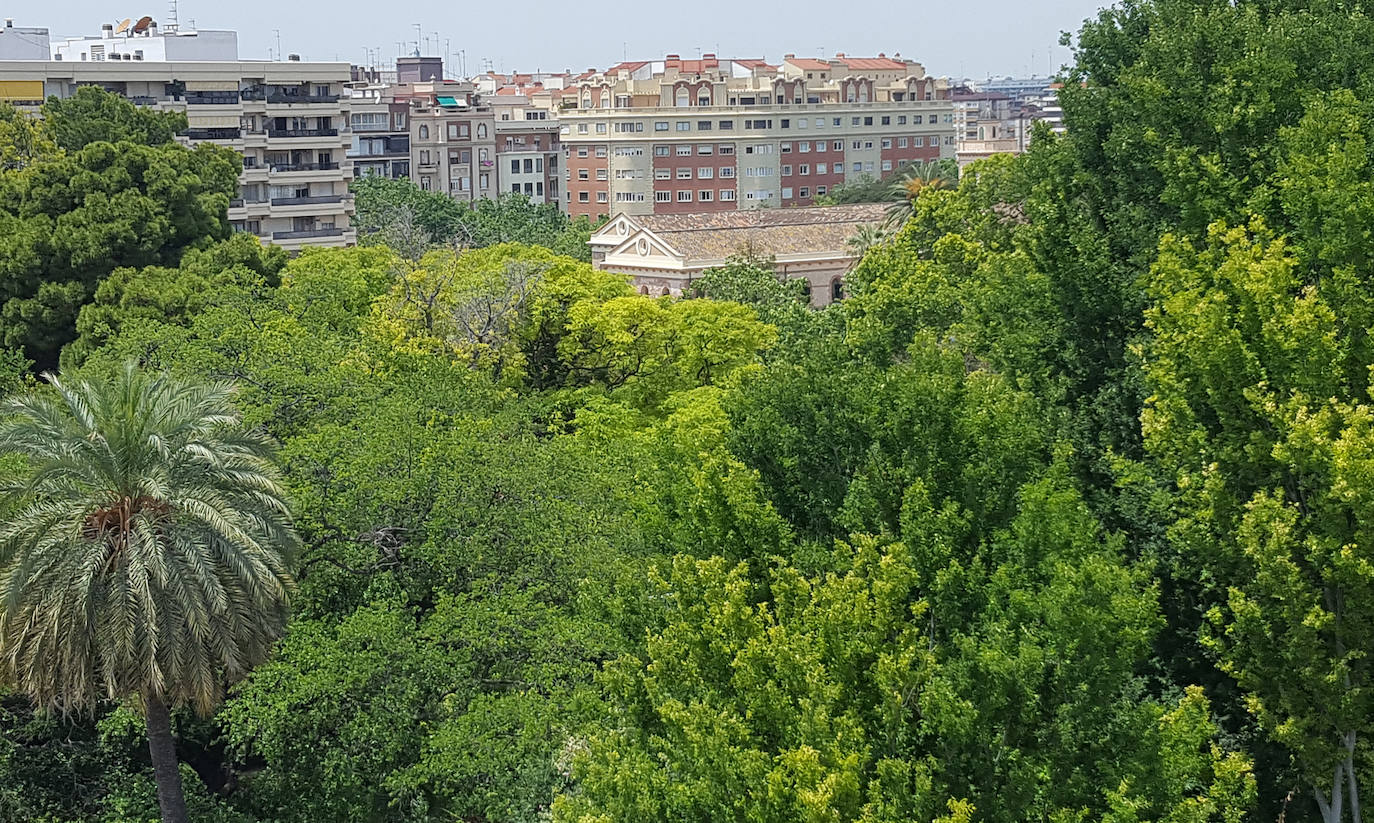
(1063, 514)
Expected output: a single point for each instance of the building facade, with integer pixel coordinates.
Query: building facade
(685, 136)
(529, 159)
(290, 120)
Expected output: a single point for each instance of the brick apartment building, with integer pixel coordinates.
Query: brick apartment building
(684, 136)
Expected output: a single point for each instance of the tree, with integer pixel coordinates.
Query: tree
(912, 179)
(93, 115)
(144, 552)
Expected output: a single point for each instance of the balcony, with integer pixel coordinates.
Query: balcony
(307, 234)
(280, 133)
(280, 167)
(307, 201)
(277, 97)
(211, 134)
(214, 98)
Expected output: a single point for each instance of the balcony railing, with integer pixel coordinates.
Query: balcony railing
(307, 201)
(216, 98)
(277, 97)
(212, 134)
(307, 234)
(302, 132)
(279, 167)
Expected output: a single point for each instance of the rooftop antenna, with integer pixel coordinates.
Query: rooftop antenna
(278, 33)
(418, 38)
(171, 15)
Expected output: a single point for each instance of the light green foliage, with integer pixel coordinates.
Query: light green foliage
(1267, 438)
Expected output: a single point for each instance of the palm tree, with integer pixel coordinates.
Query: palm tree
(913, 179)
(865, 237)
(143, 554)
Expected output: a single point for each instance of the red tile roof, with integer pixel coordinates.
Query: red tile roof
(809, 64)
(871, 63)
(631, 65)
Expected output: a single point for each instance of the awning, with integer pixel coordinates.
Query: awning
(201, 121)
(21, 90)
(448, 102)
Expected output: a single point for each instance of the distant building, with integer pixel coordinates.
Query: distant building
(997, 122)
(679, 136)
(664, 253)
(289, 120)
(529, 159)
(23, 43)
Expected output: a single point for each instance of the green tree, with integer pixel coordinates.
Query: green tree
(93, 115)
(144, 553)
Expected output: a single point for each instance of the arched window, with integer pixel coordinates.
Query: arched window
(644, 290)
(704, 96)
(863, 92)
(481, 131)
(482, 156)
(667, 292)
(683, 99)
(586, 100)
(806, 291)
(424, 132)
(605, 99)
(836, 290)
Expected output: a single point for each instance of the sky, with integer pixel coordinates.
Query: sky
(975, 40)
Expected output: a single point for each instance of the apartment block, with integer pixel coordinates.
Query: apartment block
(529, 157)
(289, 120)
(685, 136)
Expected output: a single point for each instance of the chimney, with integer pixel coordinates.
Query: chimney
(107, 31)
(880, 54)
(839, 55)
(789, 56)
(9, 22)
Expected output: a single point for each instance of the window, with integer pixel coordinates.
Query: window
(600, 151)
(583, 174)
(919, 142)
(682, 99)
(836, 290)
(786, 193)
(787, 171)
(858, 167)
(703, 98)
(727, 171)
(804, 146)
(684, 173)
(683, 125)
(581, 128)
(868, 121)
(529, 166)
(660, 125)
(820, 191)
(707, 149)
(515, 167)
(600, 128)
(601, 197)
(663, 174)
(853, 121)
(453, 131)
(838, 145)
(901, 142)
(868, 144)
(424, 132)
(820, 122)
(835, 121)
(424, 157)
(684, 197)
(727, 194)
(887, 142)
(705, 173)
(704, 195)
(726, 125)
(581, 151)
(804, 192)
(887, 120)
(901, 119)
(786, 123)
(820, 168)
(725, 149)
(600, 174)
(684, 151)
(820, 146)
(703, 125)
(785, 148)
(857, 144)
(661, 151)
(663, 197)
(804, 169)
(916, 119)
(583, 197)
(485, 181)
(801, 122)
(481, 131)
(887, 165)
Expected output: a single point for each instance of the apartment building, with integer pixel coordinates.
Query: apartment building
(381, 127)
(529, 159)
(684, 136)
(289, 120)
(996, 122)
(452, 132)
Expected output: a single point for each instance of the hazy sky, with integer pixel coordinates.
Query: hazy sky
(955, 39)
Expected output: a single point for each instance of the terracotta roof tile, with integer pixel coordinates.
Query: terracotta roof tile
(809, 64)
(718, 235)
(872, 63)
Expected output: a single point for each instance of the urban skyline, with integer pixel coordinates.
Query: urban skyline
(999, 38)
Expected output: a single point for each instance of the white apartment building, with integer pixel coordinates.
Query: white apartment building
(289, 120)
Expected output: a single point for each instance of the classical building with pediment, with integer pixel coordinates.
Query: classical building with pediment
(664, 253)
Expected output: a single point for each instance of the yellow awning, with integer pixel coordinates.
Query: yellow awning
(21, 89)
(212, 121)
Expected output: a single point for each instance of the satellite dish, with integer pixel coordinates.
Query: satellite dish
(142, 25)
(123, 27)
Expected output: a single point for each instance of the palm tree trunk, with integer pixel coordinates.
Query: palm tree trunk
(166, 771)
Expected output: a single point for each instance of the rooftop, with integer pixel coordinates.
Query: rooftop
(777, 232)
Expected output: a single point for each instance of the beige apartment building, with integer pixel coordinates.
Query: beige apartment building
(289, 120)
(684, 136)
